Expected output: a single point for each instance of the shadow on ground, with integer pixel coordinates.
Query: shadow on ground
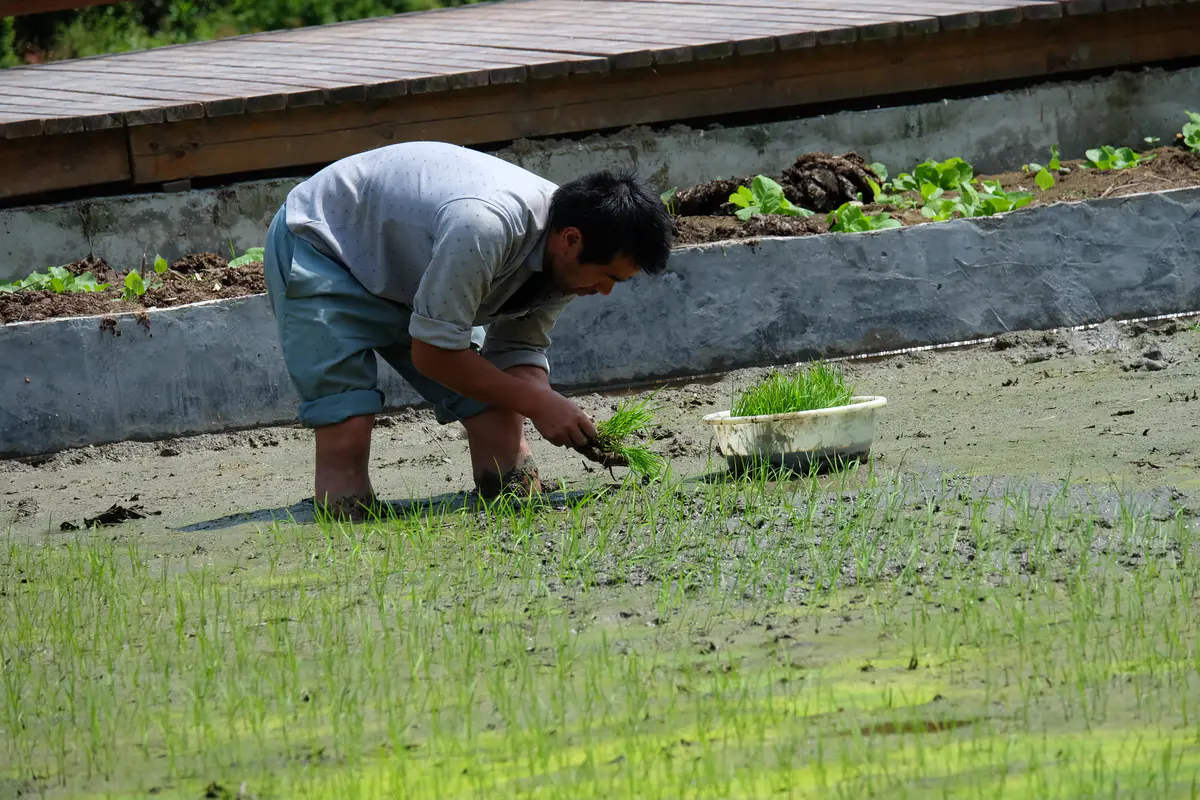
(304, 512)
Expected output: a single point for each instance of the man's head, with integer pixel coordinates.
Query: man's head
(604, 229)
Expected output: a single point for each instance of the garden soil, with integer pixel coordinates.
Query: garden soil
(1115, 409)
(822, 182)
(191, 279)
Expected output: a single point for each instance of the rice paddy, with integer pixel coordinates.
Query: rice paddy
(860, 634)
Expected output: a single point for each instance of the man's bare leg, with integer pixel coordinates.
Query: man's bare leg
(500, 455)
(343, 482)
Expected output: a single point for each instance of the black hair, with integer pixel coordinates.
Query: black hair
(617, 215)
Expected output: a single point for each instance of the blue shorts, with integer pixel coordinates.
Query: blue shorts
(331, 328)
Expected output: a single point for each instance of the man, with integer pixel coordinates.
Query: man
(407, 251)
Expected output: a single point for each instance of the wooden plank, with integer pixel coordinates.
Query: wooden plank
(246, 81)
(311, 136)
(719, 23)
(735, 33)
(62, 162)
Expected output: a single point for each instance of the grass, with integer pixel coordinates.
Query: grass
(816, 386)
(846, 636)
(619, 435)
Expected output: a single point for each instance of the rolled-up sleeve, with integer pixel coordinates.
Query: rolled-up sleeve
(469, 246)
(523, 340)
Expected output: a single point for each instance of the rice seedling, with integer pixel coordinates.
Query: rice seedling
(816, 386)
(620, 437)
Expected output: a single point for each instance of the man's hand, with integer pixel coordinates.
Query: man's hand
(561, 422)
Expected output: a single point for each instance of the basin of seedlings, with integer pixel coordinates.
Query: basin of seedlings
(803, 421)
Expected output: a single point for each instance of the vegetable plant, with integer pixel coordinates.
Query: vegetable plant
(945, 175)
(59, 280)
(1108, 157)
(668, 198)
(136, 286)
(619, 434)
(1191, 132)
(816, 386)
(764, 196)
(984, 201)
(885, 193)
(249, 257)
(849, 218)
(1042, 174)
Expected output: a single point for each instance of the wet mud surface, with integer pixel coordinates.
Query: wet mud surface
(998, 603)
(1114, 406)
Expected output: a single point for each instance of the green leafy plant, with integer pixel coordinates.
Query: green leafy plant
(945, 175)
(1191, 132)
(136, 286)
(849, 218)
(59, 280)
(816, 386)
(1109, 157)
(984, 201)
(668, 198)
(619, 436)
(885, 192)
(1043, 176)
(249, 257)
(764, 196)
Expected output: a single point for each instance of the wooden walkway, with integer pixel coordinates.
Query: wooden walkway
(494, 72)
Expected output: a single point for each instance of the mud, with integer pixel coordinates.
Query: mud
(821, 183)
(1029, 406)
(191, 279)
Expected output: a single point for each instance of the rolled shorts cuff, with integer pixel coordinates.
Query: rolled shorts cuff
(518, 358)
(340, 407)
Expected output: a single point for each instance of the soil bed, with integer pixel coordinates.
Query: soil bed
(821, 183)
(191, 279)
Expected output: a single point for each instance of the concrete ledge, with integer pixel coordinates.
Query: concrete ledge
(216, 366)
(995, 132)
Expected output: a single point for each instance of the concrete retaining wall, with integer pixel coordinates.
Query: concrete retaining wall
(996, 132)
(216, 366)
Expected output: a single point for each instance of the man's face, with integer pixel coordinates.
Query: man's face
(572, 277)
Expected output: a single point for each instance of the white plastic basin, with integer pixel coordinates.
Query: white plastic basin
(798, 440)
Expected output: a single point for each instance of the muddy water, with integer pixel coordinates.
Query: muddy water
(1113, 406)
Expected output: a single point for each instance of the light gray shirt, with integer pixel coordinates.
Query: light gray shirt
(448, 232)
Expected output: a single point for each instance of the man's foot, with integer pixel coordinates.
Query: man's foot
(521, 481)
(351, 509)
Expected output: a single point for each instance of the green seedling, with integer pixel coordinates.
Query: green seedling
(1190, 135)
(885, 192)
(1042, 174)
(136, 286)
(249, 257)
(817, 386)
(764, 196)
(1109, 157)
(56, 279)
(619, 435)
(851, 219)
(668, 198)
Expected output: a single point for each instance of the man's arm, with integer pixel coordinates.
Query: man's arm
(556, 418)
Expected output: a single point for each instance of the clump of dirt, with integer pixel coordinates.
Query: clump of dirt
(823, 183)
(710, 198)
(191, 279)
